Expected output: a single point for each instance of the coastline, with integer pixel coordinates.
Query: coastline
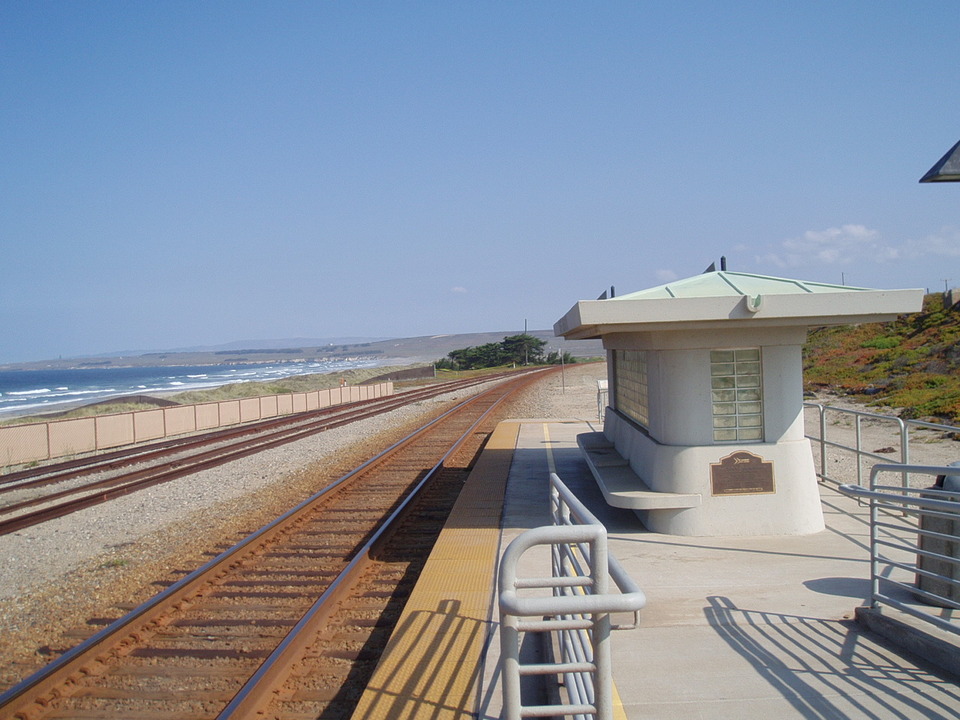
(398, 351)
(179, 360)
(116, 386)
(48, 395)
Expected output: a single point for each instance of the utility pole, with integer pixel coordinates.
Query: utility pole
(563, 379)
(526, 348)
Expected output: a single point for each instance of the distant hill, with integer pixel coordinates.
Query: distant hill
(278, 344)
(396, 351)
(912, 363)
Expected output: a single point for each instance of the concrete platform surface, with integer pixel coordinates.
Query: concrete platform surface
(734, 627)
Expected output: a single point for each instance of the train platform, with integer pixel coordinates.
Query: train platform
(733, 627)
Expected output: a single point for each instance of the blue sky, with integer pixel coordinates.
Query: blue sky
(176, 174)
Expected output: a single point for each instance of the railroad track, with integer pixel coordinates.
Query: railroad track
(34, 496)
(288, 621)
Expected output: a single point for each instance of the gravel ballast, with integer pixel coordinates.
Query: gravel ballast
(56, 575)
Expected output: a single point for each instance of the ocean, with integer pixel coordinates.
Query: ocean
(24, 391)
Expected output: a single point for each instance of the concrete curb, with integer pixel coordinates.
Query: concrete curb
(938, 647)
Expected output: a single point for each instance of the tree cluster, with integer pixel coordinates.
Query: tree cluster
(520, 349)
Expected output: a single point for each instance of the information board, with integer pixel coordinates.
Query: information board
(742, 473)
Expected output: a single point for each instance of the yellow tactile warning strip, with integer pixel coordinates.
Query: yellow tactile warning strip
(431, 665)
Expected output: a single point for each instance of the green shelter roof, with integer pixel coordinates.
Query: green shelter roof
(723, 299)
(723, 283)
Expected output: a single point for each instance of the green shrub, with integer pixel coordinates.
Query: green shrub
(883, 343)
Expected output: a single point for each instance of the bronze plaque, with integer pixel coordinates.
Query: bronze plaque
(742, 473)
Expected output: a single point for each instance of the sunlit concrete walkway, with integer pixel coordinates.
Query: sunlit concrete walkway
(734, 627)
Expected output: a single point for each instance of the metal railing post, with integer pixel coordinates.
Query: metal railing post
(904, 450)
(603, 684)
(823, 441)
(898, 533)
(578, 612)
(903, 429)
(510, 659)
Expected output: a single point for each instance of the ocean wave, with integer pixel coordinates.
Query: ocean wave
(75, 385)
(98, 391)
(26, 406)
(48, 399)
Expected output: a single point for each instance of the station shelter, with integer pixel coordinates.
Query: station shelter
(703, 434)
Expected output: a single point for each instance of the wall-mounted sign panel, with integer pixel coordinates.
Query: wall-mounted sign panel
(742, 473)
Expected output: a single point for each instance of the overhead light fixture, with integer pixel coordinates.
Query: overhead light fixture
(947, 168)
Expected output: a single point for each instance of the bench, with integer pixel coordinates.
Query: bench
(620, 485)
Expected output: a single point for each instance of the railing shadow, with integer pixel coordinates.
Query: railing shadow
(789, 651)
(421, 682)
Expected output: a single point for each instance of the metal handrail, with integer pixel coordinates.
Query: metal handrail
(601, 399)
(902, 427)
(567, 510)
(579, 610)
(914, 536)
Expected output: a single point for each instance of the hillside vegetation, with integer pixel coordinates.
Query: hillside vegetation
(912, 364)
(523, 349)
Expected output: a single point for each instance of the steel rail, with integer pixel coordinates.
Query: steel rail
(114, 459)
(111, 488)
(251, 699)
(275, 430)
(68, 469)
(45, 681)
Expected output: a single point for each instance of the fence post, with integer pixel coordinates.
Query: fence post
(823, 441)
(904, 450)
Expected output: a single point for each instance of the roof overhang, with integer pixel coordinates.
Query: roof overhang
(947, 168)
(590, 319)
